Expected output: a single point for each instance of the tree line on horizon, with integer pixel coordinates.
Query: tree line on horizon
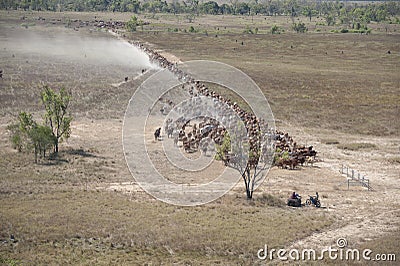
(377, 11)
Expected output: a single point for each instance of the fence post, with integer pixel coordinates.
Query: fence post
(358, 176)
(347, 171)
(348, 184)
(352, 174)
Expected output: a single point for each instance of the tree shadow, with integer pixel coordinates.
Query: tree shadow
(80, 152)
(53, 160)
(57, 159)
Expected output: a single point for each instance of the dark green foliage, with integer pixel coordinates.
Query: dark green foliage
(224, 148)
(276, 30)
(132, 24)
(27, 135)
(377, 11)
(300, 27)
(42, 139)
(330, 20)
(247, 167)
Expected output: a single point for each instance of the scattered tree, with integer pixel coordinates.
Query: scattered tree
(56, 116)
(330, 20)
(251, 167)
(132, 24)
(28, 135)
(42, 139)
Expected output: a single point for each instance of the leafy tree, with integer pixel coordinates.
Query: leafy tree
(27, 135)
(16, 137)
(243, 8)
(308, 11)
(292, 8)
(56, 116)
(210, 7)
(250, 168)
(226, 9)
(274, 8)
(42, 139)
(132, 24)
(330, 20)
(378, 11)
(223, 149)
(20, 131)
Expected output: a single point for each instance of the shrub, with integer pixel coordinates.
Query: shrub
(300, 27)
(132, 24)
(276, 30)
(248, 30)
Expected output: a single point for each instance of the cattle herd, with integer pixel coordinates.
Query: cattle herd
(200, 133)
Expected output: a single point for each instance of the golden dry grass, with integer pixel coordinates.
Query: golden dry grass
(58, 211)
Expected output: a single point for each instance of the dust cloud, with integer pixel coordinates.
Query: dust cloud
(97, 48)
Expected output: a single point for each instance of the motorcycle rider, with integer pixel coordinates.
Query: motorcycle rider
(315, 199)
(294, 195)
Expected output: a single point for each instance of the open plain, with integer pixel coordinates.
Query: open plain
(336, 92)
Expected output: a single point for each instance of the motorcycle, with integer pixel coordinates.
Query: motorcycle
(314, 201)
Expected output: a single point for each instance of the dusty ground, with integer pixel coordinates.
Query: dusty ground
(86, 208)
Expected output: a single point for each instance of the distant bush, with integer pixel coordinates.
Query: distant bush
(248, 30)
(132, 24)
(276, 30)
(300, 27)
